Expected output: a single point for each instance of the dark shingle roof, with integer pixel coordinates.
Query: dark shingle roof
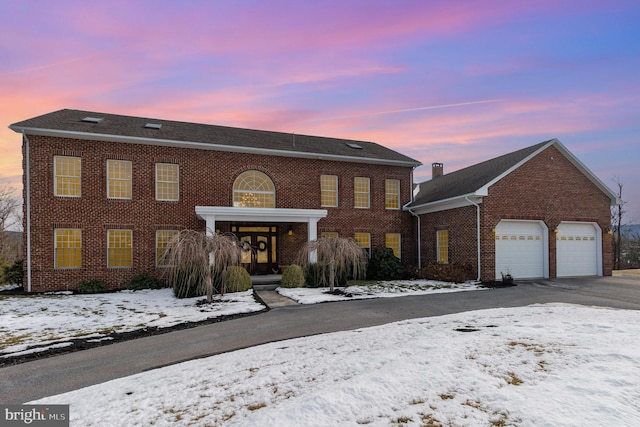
(123, 128)
(470, 179)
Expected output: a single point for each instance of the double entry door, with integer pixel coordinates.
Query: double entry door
(260, 255)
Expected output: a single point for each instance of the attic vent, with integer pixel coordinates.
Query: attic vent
(354, 146)
(92, 119)
(153, 126)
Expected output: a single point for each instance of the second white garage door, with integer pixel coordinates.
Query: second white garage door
(577, 249)
(520, 249)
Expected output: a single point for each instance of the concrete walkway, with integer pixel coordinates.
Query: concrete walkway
(272, 299)
(264, 289)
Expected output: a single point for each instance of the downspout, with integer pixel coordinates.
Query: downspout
(417, 216)
(478, 230)
(27, 201)
(419, 242)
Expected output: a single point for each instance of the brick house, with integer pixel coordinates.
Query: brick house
(104, 193)
(533, 213)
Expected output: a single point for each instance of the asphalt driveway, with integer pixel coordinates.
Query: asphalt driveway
(28, 381)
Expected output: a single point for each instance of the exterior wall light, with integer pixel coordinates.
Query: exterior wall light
(290, 232)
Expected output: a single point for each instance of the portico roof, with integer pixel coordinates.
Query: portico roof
(228, 213)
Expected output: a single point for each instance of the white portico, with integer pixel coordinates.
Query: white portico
(213, 214)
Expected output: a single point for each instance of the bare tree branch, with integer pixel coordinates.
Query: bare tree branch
(9, 218)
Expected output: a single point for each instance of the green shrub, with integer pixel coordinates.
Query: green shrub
(145, 281)
(237, 279)
(94, 286)
(456, 272)
(384, 265)
(187, 280)
(316, 275)
(293, 277)
(12, 274)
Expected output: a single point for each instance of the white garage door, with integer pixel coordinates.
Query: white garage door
(519, 249)
(576, 250)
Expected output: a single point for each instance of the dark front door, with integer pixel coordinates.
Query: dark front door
(259, 257)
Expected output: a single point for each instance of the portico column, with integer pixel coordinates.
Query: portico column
(313, 235)
(211, 225)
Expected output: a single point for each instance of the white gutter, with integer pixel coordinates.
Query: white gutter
(478, 230)
(209, 146)
(407, 208)
(27, 185)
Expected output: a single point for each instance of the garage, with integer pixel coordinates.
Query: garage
(521, 249)
(577, 249)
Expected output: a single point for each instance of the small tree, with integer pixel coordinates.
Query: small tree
(617, 216)
(339, 253)
(9, 219)
(198, 257)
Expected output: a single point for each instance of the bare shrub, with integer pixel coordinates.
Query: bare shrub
(197, 258)
(342, 255)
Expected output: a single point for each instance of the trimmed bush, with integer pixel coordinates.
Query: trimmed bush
(293, 277)
(187, 281)
(237, 279)
(145, 281)
(384, 265)
(93, 286)
(316, 275)
(456, 272)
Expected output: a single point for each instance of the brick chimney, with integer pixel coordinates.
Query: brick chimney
(437, 169)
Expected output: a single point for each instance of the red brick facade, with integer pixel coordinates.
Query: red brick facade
(548, 188)
(206, 179)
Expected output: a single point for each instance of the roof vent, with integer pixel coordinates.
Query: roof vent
(92, 119)
(153, 126)
(354, 145)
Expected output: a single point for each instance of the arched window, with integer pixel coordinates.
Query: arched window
(254, 189)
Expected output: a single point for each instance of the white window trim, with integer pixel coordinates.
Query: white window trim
(368, 193)
(368, 248)
(55, 249)
(438, 246)
(55, 177)
(157, 264)
(398, 194)
(119, 179)
(399, 243)
(177, 183)
(336, 192)
(108, 248)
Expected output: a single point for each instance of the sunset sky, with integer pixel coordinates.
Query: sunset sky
(456, 82)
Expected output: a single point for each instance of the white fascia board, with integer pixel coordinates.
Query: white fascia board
(228, 213)
(447, 204)
(207, 146)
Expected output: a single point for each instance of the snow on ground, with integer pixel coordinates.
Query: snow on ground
(52, 320)
(36, 323)
(382, 289)
(542, 365)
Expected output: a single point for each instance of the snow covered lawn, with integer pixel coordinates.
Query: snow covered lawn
(31, 324)
(543, 365)
(397, 288)
(50, 321)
